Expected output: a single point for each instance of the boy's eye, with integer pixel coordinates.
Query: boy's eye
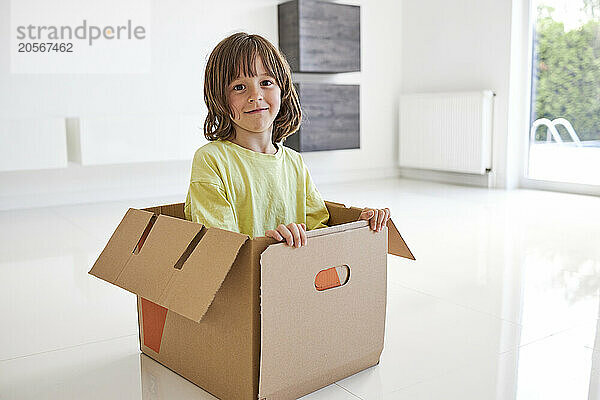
(267, 83)
(238, 87)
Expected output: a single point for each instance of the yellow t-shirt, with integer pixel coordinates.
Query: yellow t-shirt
(249, 192)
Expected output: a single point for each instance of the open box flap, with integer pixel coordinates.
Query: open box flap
(339, 213)
(193, 288)
(180, 265)
(396, 244)
(121, 245)
(172, 210)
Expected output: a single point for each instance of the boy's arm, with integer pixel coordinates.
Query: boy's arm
(207, 204)
(317, 215)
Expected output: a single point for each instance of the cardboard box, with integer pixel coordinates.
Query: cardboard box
(245, 318)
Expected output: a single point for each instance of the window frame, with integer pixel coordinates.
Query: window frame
(527, 24)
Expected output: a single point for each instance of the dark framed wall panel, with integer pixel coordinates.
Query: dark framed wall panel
(331, 118)
(318, 36)
(288, 32)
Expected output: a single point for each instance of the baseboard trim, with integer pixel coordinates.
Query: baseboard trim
(486, 180)
(92, 184)
(77, 185)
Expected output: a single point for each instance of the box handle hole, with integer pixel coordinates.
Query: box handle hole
(332, 277)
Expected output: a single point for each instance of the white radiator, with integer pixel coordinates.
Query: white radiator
(447, 131)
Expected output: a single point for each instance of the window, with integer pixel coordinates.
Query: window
(564, 137)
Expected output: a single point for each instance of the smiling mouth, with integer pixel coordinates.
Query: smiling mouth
(256, 111)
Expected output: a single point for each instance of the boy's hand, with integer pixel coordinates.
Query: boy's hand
(377, 217)
(294, 234)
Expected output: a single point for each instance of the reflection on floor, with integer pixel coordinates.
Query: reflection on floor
(502, 302)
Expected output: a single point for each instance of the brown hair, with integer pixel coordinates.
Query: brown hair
(237, 53)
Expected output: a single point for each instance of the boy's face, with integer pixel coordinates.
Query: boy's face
(248, 94)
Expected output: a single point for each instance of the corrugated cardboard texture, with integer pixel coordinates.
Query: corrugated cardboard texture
(159, 272)
(172, 210)
(337, 228)
(219, 353)
(121, 245)
(319, 382)
(312, 338)
(340, 214)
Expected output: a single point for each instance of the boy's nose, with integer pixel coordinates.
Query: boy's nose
(252, 99)
(255, 96)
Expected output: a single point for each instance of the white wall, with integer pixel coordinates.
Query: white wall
(463, 45)
(406, 46)
(183, 33)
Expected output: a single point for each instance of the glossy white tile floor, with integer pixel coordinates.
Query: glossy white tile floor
(502, 302)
